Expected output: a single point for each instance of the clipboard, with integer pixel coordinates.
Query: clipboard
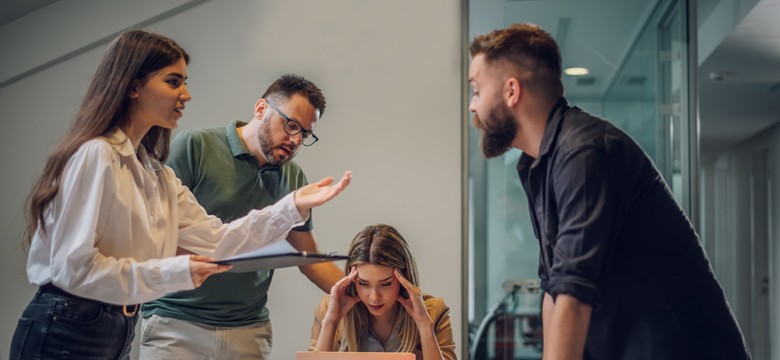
(275, 261)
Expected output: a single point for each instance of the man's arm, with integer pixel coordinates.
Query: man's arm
(325, 274)
(588, 207)
(547, 309)
(565, 328)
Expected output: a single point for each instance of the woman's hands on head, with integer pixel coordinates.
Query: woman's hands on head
(318, 193)
(340, 302)
(201, 267)
(414, 304)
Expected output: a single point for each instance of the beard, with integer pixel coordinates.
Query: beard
(498, 131)
(264, 138)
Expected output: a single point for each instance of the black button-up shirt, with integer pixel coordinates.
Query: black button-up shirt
(612, 235)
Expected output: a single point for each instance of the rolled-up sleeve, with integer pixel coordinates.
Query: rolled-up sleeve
(544, 279)
(584, 192)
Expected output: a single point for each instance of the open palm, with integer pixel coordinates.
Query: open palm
(318, 193)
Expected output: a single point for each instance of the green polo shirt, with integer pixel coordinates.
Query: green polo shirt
(227, 181)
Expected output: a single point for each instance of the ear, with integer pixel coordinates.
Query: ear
(260, 108)
(133, 93)
(513, 90)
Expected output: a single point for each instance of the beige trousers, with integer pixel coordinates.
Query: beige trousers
(167, 338)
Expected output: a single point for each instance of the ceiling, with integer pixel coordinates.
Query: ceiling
(14, 9)
(739, 83)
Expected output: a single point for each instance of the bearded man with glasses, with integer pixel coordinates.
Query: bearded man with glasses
(232, 170)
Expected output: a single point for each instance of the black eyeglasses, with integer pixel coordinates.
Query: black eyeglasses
(292, 128)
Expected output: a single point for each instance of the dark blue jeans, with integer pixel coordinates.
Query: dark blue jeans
(57, 325)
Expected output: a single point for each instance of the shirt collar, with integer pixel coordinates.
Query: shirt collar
(550, 131)
(553, 123)
(237, 146)
(119, 140)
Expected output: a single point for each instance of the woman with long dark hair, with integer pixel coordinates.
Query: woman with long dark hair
(379, 307)
(106, 217)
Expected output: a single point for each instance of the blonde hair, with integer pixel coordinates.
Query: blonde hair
(380, 245)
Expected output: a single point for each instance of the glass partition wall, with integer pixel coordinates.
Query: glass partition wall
(648, 97)
(644, 91)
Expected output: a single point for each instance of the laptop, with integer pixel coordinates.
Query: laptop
(328, 355)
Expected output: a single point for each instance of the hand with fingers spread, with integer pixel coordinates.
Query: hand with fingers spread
(201, 267)
(414, 304)
(318, 193)
(341, 302)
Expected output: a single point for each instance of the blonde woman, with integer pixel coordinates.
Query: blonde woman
(378, 307)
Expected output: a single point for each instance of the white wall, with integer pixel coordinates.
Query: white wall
(741, 206)
(391, 72)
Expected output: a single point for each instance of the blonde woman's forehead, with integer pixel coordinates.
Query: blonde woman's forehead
(374, 273)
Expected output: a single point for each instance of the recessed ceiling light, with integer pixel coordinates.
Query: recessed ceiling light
(576, 71)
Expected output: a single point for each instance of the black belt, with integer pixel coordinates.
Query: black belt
(126, 310)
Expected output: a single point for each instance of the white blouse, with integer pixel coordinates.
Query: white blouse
(114, 226)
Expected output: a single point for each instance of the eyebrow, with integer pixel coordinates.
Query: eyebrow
(180, 76)
(383, 280)
(310, 131)
(299, 123)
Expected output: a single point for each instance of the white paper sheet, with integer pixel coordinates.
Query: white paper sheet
(279, 247)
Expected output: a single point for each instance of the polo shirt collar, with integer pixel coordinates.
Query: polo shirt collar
(237, 146)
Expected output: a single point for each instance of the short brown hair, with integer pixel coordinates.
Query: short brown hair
(288, 85)
(528, 48)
